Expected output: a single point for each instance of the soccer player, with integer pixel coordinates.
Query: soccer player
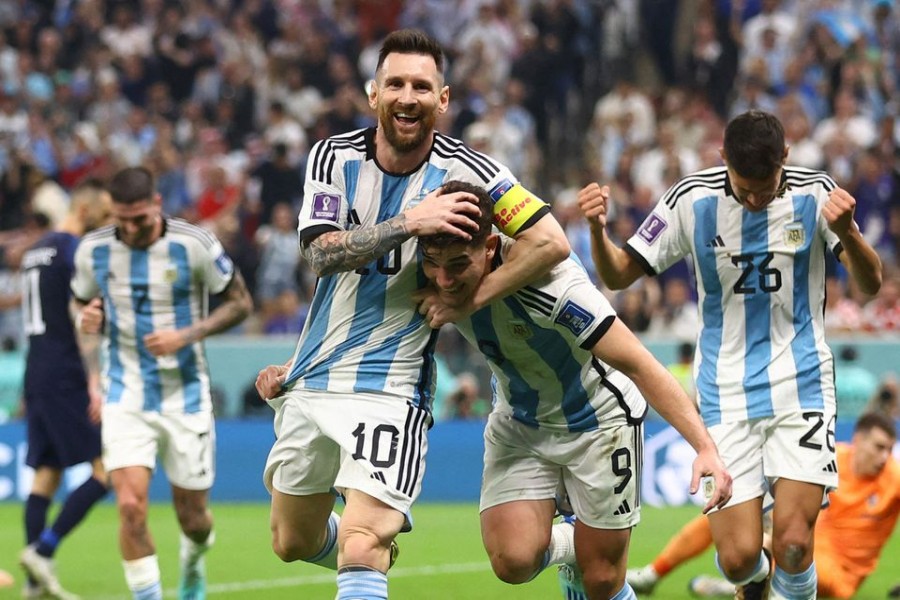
(353, 404)
(567, 412)
(757, 231)
(62, 418)
(145, 282)
(850, 532)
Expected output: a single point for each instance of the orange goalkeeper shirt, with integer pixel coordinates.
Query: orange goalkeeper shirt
(854, 528)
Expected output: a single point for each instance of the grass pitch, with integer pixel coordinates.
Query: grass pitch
(442, 559)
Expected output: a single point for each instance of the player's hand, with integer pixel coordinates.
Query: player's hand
(708, 464)
(444, 213)
(838, 211)
(594, 203)
(436, 313)
(165, 342)
(269, 381)
(90, 318)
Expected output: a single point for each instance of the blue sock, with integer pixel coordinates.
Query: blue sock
(327, 556)
(799, 586)
(626, 593)
(36, 508)
(361, 583)
(151, 592)
(73, 511)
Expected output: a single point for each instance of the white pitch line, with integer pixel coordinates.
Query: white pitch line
(324, 578)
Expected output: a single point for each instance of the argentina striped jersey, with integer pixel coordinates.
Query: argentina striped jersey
(538, 344)
(363, 332)
(162, 287)
(761, 287)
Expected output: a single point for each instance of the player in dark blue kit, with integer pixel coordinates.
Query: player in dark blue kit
(62, 411)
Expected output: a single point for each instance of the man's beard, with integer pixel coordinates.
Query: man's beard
(403, 143)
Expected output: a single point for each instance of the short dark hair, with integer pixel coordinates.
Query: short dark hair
(754, 144)
(484, 222)
(876, 420)
(411, 41)
(131, 185)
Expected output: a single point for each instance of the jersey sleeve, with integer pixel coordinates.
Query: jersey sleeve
(84, 284)
(515, 208)
(567, 301)
(216, 267)
(662, 239)
(830, 237)
(325, 205)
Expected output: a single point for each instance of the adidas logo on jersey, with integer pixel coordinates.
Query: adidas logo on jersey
(830, 467)
(716, 242)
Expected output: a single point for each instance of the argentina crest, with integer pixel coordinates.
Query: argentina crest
(794, 234)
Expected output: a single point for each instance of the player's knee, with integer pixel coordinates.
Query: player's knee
(133, 514)
(364, 547)
(792, 554)
(603, 579)
(289, 546)
(513, 565)
(737, 564)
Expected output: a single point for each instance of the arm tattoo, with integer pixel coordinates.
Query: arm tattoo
(338, 251)
(236, 305)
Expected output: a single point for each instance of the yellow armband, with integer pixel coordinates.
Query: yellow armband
(516, 208)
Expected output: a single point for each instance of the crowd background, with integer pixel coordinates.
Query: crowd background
(222, 100)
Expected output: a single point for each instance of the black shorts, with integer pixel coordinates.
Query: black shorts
(60, 434)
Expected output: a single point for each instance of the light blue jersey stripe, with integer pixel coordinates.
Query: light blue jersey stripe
(181, 302)
(115, 370)
(803, 346)
(556, 352)
(372, 297)
(317, 321)
(757, 315)
(433, 178)
(523, 398)
(711, 339)
(143, 325)
(351, 179)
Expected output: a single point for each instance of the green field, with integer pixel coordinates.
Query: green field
(442, 559)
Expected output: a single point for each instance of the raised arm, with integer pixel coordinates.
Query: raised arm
(860, 259)
(615, 266)
(621, 349)
(339, 251)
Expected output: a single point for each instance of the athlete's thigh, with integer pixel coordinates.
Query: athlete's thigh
(602, 474)
(188, 452)
(303, 460)
(516, 463)
(383, 439)
(800, 447)
(740, 447)
(522, 524)
(130, 438)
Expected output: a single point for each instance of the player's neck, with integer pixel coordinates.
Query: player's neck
(397, 162)
(71, 225)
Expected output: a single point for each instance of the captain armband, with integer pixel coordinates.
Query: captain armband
(516, 208)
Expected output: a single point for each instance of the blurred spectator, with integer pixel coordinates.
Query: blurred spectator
(876, 189)
(683, 369)
(842, 313)
(882, 315)
(854, 384)
(279, 259)
(677, 315)
(166, 164)
(281, 129)
(125, 36)
(635, 309)
(218, 198)
(285, 314)
(886, 399)
(278, 181)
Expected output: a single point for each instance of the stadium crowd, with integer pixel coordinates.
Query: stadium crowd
(222, 100)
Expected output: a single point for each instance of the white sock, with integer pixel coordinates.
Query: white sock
(190, 551)
(142, 577)
(562, 545)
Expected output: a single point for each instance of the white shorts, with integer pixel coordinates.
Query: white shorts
(600, 469)
(371, 442)
(186, 443)
(797, 446)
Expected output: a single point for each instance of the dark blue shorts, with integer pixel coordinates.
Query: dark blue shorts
(60, 434)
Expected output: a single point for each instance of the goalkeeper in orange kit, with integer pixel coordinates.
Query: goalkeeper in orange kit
(850, 533)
